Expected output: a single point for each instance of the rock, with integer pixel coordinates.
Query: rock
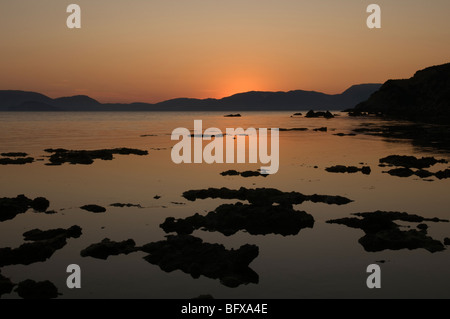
(382, 233)
(16, 161)
(301, 129)
(447, 241)
(106, 248)
(422, 226)
(157, 197)
(192, 256)
(443, 174)
(6, 285)
(13, 154)
(312, 114)
(37, 234)
(348, 169)
(256, 220)
(44, 245)
(263, 196)
(243, 174)
(40, 204)
(30, 289)
(232, 115)
(423, 173)
(321, 129)
(401, 172)
(297, 114)
(344, 134)
(94, 208)
(61, 156)
(411, 161)
(125, 205)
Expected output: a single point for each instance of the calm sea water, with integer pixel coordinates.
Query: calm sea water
(323, 262)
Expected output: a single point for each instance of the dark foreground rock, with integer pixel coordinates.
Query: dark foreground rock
(94, 208)
(62, 156)
(16, 161)
(312, 114)
(191, 255)
(256, 220)
(263, 196)
(11, 207)
(44, 245)
(243, 174)
(349, 169)
(30, 289)
(411, 161)
(447, 241)
(106, 248)
(6, 285)
(382, 233)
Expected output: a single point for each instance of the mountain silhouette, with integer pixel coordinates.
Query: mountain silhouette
(248, 101)
(424, 97)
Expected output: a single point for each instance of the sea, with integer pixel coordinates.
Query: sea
(325, 261)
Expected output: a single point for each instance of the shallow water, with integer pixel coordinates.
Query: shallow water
(325, 261)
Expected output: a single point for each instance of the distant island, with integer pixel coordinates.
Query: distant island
(424, 98)
(250, 101)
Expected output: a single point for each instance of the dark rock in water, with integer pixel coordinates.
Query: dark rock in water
(256, 220)
(345, 134)
(401, 172)
(424, 97)
(94, 208)
(193, 256)
(13, 154)
(157, 197)
(232, 115)
(16, 161)
(297, 114)
(37, 234)
(348, 169)
(125, 205)
(263, 196)
(11, 207)
(243, 174)
(30, 289)
(411, 161)
(6, 285)
(312, 114)
(61, 156)
(106, 248)
(423, 173)
(40, 204)
(443, 174)
(51, 212)
(447, 241)
(321, 129)
(422, 226)
(301, 129)
(44, 245)
(382, 233)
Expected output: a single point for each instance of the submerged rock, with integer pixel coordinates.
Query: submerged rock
(192, 256)
(6, 285)
(61, 156)
(263, 196)
(30, 289)
(94, 208)
(16, 161)
(44, 245)
(243, 174)
(349, 169)
(106, 248)
(11, 207)
(411, 161)
(256, 220)
(382, 233)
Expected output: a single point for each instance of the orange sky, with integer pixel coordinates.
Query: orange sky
(143, 50)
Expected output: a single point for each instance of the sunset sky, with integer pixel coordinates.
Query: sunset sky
(148, 51)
